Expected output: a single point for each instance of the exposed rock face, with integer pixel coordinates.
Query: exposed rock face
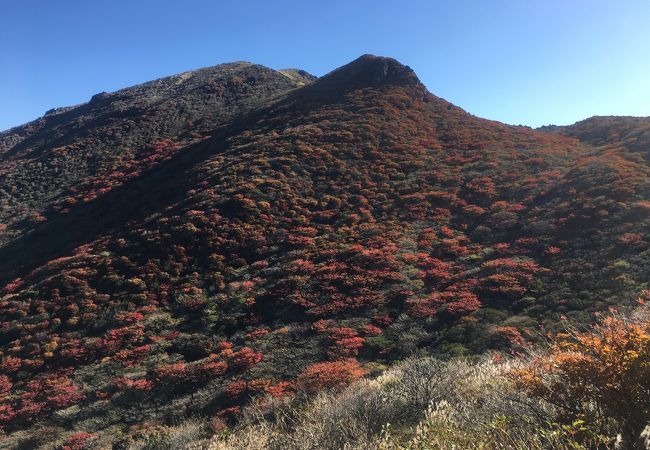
(99, 98)
(298, 75)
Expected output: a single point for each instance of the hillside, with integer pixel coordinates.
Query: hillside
(77, 153)
(185, 245)
(632, 133)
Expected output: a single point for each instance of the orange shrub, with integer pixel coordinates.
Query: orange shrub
(329, 375)
(599, 376)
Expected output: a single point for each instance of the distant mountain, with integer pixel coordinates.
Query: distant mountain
(631, 132)
(185, 245)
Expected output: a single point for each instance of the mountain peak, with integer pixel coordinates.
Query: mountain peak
(367, 71)
(371, 70)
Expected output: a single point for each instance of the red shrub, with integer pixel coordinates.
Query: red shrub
(371, 330)
(551, 250)
(320, 325)
(454, 302)
(12, 286)
(133, 356)
(329, 375)
(245, 358)
(76, 351)
(256, 334)
(383, 320)
(7, 414)
(236, 388)
(137, 384)
(47, 393)
(509, 337)
(79, 441)
(281, 389)
(115, 339)
(346, 342)
(5, 385)
(212, 368)
(171, 373)
(11, 364)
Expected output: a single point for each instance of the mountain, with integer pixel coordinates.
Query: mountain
(188, 244)
(630, 132)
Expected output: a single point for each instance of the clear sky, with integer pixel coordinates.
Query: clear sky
(529, 62)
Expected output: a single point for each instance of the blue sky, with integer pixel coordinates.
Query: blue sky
(518, 61)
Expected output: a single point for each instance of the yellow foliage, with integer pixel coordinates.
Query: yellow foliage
(598, 375)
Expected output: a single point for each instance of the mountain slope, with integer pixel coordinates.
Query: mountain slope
(352, 221)
(632, 133)
(72, 154)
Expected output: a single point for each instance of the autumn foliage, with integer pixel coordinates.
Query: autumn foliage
(330, 375)
(598, 376)
(79, 441)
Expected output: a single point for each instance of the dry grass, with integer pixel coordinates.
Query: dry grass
(186, 435)
(422, 403)
(419, 404)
